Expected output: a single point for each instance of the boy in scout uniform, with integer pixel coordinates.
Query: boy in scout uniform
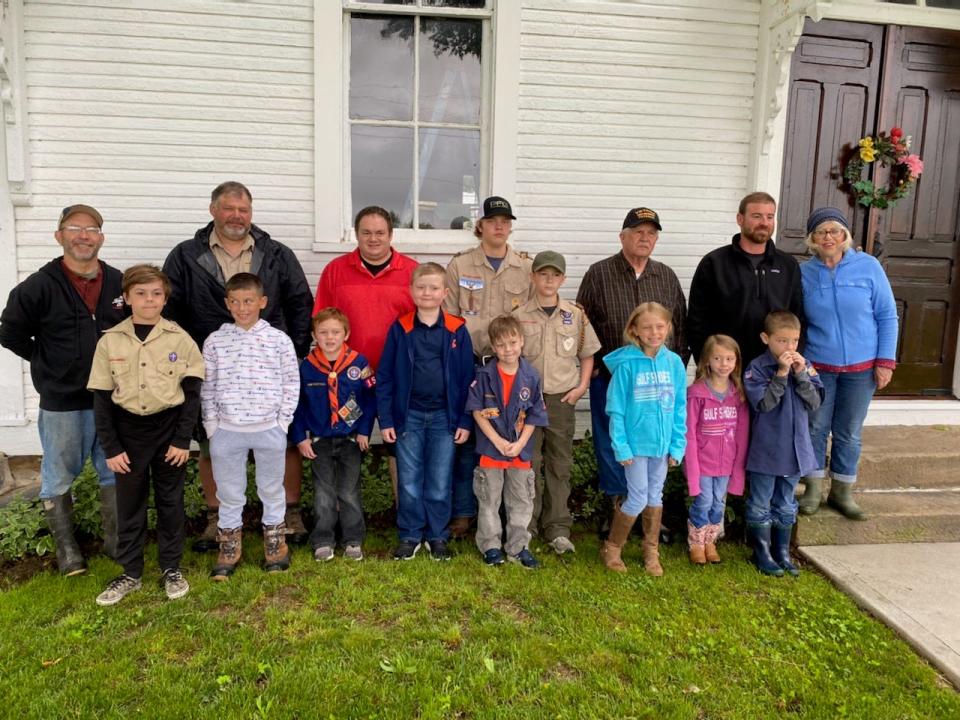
(486, 281)
(559, 342)
(146, 378)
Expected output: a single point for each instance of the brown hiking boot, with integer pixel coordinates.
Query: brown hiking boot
(695, 539)
(296, 531)
(710, 543)
(231, 547)
(459, 527)
(651, 540)
(207, 542)
(276, 554)
(612, 547)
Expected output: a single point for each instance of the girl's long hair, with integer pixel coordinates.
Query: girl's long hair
(652, 308)
(727, 343)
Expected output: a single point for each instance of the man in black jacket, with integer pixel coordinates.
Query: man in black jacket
(53, 320)
(737, 285)
(198, 270)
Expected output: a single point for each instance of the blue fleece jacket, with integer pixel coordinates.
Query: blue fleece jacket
(647, 403)
(395, 373)
(524, 406)
(851, 314)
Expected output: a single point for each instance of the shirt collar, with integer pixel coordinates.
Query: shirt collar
(216, 242)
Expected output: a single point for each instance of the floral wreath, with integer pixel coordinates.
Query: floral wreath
(890, 150)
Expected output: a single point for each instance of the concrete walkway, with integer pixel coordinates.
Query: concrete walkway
(911, 587)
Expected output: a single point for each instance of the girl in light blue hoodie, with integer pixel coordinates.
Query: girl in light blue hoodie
(647, 405)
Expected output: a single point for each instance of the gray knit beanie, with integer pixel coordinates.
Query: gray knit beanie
(822, 215)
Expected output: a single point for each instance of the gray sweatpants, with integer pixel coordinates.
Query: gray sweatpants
(228, 455)
(515, 487)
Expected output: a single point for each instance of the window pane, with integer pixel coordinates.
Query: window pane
(391, 2)
(949, 4)
(382, 170)
(450, 71)
(449, 176)
(456, 3)
(381, 67)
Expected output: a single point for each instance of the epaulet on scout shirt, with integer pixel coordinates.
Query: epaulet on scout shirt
(523, 254)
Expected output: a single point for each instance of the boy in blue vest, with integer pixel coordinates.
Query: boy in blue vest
(507, 404)
(422, 382)
(782, 388)
(331, 427)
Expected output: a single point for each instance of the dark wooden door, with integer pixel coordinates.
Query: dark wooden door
(852, 79)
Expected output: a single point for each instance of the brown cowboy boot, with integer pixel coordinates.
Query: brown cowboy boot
(276, 554)
(695, 539)
(710, 543)
(612, 546)
(207, 542)
(231, 546)
(651, 539)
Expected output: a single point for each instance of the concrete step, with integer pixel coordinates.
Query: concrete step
(892, 517)
(902, 456)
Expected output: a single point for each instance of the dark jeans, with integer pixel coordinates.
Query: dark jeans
(613, 481)
(336, 481)
(146, 440)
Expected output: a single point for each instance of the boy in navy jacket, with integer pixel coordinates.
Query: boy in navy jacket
(782, 388)
(422, 382)
(331, 427)
(507, 404)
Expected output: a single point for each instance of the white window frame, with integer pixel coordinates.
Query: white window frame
(499, 121)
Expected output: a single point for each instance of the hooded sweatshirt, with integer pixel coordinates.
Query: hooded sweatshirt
(647, 403)
(717, 437)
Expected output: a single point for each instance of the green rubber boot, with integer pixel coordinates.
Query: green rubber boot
(812, 494)
(841, 500)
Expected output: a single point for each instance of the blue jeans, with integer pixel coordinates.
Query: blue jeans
(772, 499)
(846, 398)
(67, 439)
(424, 476)
(645, 478)
(708, 506)
(464, 463)
(612, 479)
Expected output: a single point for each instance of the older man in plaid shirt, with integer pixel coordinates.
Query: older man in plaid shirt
(609, 292)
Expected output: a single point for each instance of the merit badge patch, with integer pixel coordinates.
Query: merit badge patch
(353, 372)
(370, 381)
(366, 372)
(524, 393)
(172, 357)
(490, 413)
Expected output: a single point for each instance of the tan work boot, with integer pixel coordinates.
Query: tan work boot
(619, 532)
(231, 547)
(712, 532)
(276, 554)
(296, 531)
(207, 542)
(650, 518)
(695, 539)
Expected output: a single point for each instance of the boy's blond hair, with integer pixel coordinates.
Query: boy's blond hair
(427, 268)
(727, 343)
(144, 274)
(504, 326)
(654, 308)
(780, 320)
(330, 313)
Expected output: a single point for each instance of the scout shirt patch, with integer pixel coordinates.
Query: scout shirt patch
(567, 317)
(172, 357)
(471, 283)
(524, 394)
(350, 412)
(490, 413)
(568, 343)
(353, 372)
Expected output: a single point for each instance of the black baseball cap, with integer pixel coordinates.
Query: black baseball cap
(641, 215)
(496, 205)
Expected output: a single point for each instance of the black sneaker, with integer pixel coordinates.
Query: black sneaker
(438, 550)
(406, 550)
(526, 559)
(494, 556)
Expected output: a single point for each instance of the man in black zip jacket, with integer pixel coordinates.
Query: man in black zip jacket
(737, 285)
(53, 320)
(198, 270)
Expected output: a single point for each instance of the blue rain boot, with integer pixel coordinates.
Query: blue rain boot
(780, 548)
(759, 538)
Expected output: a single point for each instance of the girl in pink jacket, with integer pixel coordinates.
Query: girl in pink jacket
(718, 423)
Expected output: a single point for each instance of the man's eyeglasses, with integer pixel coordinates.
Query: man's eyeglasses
(76, 229)
(832, 232)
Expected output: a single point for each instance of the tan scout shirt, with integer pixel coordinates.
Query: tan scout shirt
(229, 264)
(479, 294)
(145, 376)
(554, 344)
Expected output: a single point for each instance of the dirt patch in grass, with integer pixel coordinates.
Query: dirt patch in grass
(13, 573)
(512, 610)
(561, 672)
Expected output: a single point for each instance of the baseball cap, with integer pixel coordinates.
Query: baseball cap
(550, 259)
(495, 205)
(641, 215)
(74, 209)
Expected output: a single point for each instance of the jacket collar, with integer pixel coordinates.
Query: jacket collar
(769, 249)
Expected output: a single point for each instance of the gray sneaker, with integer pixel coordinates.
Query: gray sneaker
(562, 545)
(353, 552)
(119, 587)
(174, 583)
(323, 553)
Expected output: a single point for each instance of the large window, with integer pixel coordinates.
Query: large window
(416, 109)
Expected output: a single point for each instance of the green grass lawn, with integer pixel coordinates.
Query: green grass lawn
(458, 640)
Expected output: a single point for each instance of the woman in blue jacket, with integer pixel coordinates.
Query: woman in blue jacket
(852, 342)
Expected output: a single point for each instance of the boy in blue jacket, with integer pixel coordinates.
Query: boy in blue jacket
(422, 382)
(331, 427)
(782, 388)
(507, 404)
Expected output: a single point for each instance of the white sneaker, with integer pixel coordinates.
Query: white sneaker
(323, 553)
(174, 583)
(562, 545)
(353, 552)
(119, 587)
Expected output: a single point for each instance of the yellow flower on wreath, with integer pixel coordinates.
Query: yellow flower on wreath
(867, 152)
